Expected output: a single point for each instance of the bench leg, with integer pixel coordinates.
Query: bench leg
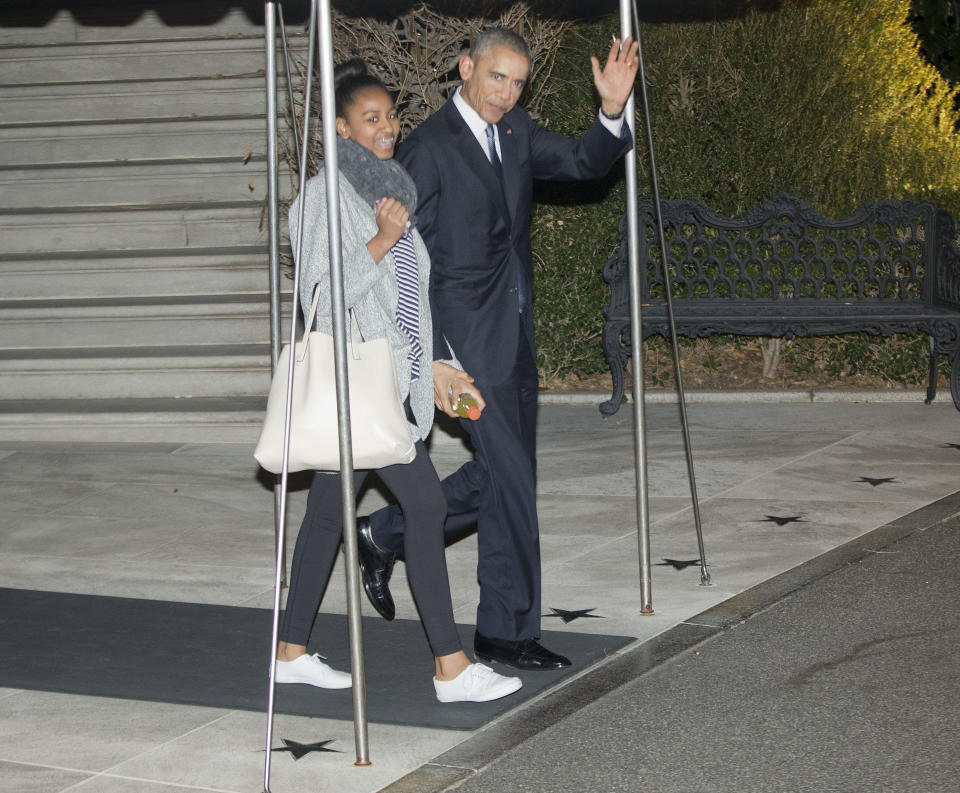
(932, 382)
(615, 351)
(955, 378)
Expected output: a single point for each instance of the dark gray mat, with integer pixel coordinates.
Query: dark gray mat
(218, 656)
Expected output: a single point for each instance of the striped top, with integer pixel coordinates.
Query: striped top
(408, 304)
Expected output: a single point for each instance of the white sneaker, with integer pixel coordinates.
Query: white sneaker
(476, 683)
(311, 670)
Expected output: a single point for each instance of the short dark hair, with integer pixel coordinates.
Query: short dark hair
(499, 37)
(349, 78)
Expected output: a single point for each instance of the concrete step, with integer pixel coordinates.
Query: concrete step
(118, 372)
(231, 97)
(204, 319)
(133, 264)
(129, 142)
(177, 273)
(236, 419)
(44, 22)
(131, 185)
(128, 61)
(199, 230)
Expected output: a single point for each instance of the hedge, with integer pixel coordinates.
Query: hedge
(829, 100)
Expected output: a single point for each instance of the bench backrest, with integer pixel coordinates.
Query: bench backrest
(786, 250)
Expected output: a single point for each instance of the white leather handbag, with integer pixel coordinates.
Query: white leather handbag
(378, 423)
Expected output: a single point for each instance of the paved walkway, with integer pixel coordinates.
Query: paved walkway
(781, 485)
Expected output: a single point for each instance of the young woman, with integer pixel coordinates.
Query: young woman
(386, 272)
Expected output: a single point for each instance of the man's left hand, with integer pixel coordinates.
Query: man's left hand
(448, 384)
(614, 81)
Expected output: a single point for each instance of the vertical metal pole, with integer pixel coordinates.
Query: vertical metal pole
(285, 472)
(286, 63)
(270, 34)
(636, 348)
(684, 422)
(270, 38)
(332, 174)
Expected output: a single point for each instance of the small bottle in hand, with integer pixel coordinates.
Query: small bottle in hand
(467, 407)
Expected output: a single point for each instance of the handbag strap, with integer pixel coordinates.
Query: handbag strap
(308, 325)
(311, 319)
(354, 322)
(312, 316)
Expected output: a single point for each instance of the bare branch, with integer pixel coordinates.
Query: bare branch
(416, 55)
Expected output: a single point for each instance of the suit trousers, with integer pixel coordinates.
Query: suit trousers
(417, 487)
(496, 491)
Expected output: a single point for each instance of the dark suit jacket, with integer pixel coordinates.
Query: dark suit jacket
(478, 235)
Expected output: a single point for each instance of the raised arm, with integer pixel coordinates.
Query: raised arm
(360, 270)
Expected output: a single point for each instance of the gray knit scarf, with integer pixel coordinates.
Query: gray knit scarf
(374, 178)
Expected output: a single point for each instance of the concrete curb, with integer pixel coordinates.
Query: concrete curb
(780, 396)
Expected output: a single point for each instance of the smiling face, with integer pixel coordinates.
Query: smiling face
(492, 83)
(372, 121)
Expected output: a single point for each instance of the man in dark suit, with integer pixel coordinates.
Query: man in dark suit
(474, 162)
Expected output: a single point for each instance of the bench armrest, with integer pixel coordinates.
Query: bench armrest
(946, 281)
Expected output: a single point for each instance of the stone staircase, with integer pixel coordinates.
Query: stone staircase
(133, 260)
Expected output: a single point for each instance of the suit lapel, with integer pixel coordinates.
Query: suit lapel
(511, 166)
(476, 159)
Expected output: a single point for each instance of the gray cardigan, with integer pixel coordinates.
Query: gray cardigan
(369, 289)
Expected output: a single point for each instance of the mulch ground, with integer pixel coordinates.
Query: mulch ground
(718, 368)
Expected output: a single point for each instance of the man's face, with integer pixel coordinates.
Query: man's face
(493, 83)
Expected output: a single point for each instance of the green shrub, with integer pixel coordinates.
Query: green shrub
(900, 360)
(829, 100)
(937, 23)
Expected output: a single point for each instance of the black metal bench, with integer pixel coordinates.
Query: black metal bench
(786, 270)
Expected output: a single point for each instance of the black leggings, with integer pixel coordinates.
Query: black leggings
(417, 487)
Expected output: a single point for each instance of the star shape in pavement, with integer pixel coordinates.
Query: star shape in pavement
(876, 481)
(678, 564)
(570, 616)
(781, 521)
(298, 750)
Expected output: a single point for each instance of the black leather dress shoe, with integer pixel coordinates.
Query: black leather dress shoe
(376, 567)
(523, 654)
